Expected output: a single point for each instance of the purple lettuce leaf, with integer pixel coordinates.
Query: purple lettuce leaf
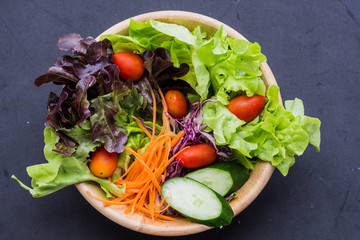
(92, 89)
(71, 107)
(62, 72)
(89, 73)
(60, 115)
(68, 41)
(80, 104)
(90, 58)
(105, 129)
(99, 52)
(75, 43)
(88, 77)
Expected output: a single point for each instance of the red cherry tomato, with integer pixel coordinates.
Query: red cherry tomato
(197, 156)
(246, 108)
(103, 164)
(176, 103)
(130, 65)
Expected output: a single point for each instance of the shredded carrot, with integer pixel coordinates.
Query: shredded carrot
(177, 138)
(144, 177)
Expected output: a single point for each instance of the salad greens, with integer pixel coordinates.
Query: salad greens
(95, 105)
(61, 171)
(227, 65)
(275, 136)
(221, 68)
(94, 109)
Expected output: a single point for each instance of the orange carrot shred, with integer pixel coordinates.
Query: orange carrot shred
(142, 127)
(177, 138)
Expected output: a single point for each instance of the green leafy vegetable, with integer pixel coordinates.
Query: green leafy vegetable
(225, 64)
(82, 135)
(276, 136)
(61, 171)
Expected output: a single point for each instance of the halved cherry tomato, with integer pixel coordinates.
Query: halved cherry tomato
(197, 156)
(130, 65)
(176, 103)
(103, 164)
(246, 108)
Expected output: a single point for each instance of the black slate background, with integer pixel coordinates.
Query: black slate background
(313, 49)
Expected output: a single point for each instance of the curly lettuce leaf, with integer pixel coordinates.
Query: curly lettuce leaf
(82, 136)
(234, 66)
(215, 49)
(309, 124)
(218, 65)
(61, 171)
(277, 135)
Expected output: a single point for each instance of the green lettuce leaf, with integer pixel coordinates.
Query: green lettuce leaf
(232, 64)
(237, 69)
(198, 67)
(223, 127)
(309, 124)
(124, 43)
(82, 135)
(177, 31)
(215, 49)
(277, 135)
(61, 171)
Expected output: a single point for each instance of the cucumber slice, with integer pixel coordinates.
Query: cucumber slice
(197, 202)
(223, 177)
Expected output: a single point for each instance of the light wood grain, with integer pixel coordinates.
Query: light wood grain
(258, 177)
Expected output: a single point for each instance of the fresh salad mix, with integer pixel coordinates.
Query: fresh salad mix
(166, 121)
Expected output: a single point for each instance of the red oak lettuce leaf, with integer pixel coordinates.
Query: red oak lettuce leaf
(105, 128)
(72, 107)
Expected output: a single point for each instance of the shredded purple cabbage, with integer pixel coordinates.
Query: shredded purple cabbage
(193, 126)
(175, 170)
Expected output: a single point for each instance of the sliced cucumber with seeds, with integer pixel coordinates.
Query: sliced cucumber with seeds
(223, 177)
(197, 202)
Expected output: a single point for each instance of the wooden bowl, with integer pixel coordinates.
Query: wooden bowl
(258, 177)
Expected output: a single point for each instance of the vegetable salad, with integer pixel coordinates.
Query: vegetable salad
(137, 111)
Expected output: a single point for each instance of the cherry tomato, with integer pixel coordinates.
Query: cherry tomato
(246, 108)
(197, 156)
(176, 103)
(103, 164)
(130, 65)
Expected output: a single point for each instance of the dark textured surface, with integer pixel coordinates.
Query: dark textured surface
(313, 48)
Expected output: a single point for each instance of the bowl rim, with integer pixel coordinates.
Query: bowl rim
(258, 177)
